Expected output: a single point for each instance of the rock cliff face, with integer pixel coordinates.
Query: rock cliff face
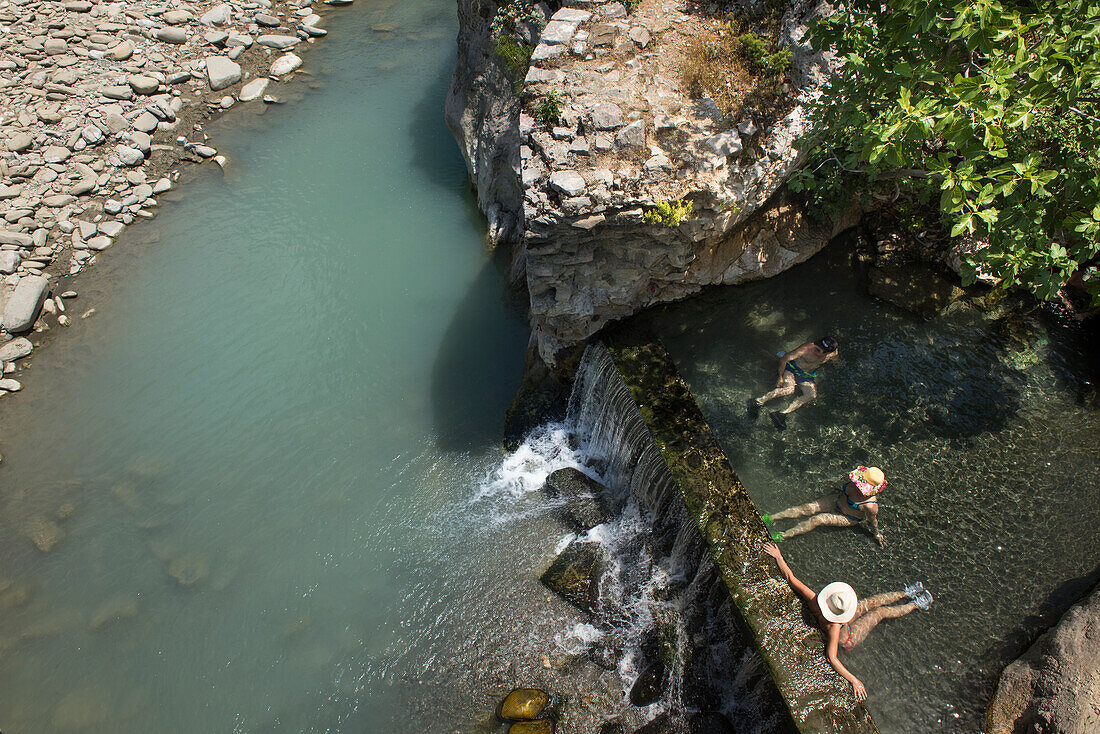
(627, 138)
(1054, 687)
(482, 111)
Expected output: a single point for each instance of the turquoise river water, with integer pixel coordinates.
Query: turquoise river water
(274, 450)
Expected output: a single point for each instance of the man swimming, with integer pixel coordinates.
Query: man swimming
(797, 368)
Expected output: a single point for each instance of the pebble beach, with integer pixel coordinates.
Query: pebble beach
(101, 104)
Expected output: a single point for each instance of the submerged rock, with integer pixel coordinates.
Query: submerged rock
(45, 533)
(82, 709)
(118, 607)
(915, 287)
(586, 499)
(189, 570)
(574, 575)
(523, 704)
(542, 726)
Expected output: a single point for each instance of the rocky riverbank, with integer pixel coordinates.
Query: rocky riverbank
(100, 105)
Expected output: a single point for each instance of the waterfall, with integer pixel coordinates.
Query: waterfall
(669, 602)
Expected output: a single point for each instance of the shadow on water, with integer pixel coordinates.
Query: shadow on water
(478, 367)
(432, 141)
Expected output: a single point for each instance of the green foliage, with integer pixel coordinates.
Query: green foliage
(631, 5)
(668, 213)
(549, 108)
(993, 106)
(761, 58)
(515, 55)
(512, 16)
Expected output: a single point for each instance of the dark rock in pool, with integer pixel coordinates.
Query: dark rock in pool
(523, 704)
(574, 575)
(663, 724)
(710, 722)
(915, 287)
(614, 726)
(542, 726)
(585, 498)
(647, 689)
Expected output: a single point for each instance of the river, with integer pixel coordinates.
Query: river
(269, 451)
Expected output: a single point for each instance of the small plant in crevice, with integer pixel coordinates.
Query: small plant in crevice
(549, 108)
(631, 5)
(668, 213)
(516, 57)
(509, 28)
(512, 16)
(761, 58)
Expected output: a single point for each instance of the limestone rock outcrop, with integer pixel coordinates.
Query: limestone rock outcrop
(1054, 687)
(629, 137)
(482, 110)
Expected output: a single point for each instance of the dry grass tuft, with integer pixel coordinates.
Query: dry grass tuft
(720, 65)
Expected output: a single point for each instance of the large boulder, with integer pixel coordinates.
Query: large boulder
(23, 304)
(1054, 687)
(585, 499)
(575, 575)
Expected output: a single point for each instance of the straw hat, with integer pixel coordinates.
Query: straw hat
(870, 480)
(837, 602)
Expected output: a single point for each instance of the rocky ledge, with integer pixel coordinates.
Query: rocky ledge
(99, 104)
(1054, 687)
(630, 137)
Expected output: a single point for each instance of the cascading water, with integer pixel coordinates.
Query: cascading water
(664, 617)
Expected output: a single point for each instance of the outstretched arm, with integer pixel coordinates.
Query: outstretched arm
(831, 644)
(803, 591)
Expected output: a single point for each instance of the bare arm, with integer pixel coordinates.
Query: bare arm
(792, 355)
(803, 591)
(832, 642)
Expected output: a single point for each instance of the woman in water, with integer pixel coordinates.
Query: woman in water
(844, 620)
(857, 502)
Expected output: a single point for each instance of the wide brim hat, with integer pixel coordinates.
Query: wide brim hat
(869, 480)
(837, 602)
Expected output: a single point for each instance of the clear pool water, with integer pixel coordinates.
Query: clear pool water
(986, 433)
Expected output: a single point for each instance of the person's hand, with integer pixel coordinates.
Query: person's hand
(773, 550)
(859, 690)
(881, 540)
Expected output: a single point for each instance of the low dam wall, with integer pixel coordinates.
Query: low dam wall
(655, 441)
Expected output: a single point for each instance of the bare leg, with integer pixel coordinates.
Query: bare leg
(828, 520)
(862, 626)
(786, 388)
(809, 394)
(821, 504)
(879, 600)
